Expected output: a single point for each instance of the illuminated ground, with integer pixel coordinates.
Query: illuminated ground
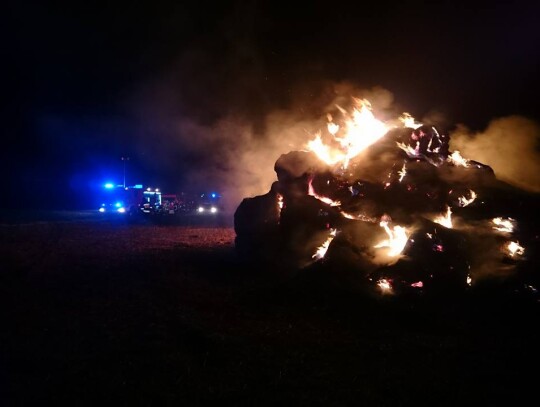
(99, 311)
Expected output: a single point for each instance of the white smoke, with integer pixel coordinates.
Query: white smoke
(509, 145)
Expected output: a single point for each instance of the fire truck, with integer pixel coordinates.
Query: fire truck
(130, 200)
(169, 205)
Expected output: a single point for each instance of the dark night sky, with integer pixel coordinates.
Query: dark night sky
(87, 83)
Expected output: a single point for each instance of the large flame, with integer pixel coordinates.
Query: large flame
(360, 131)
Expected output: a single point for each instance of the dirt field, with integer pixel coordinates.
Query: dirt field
(98, 311)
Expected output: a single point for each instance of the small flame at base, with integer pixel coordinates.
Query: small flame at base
(397, 239)
(385, 286)
(446, 219)
(321, 251)
(514, 249)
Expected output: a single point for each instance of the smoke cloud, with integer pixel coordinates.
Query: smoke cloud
(509, 145)
(236, 152)
(234, 149)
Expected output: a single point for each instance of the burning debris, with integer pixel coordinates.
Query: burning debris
(392, 203)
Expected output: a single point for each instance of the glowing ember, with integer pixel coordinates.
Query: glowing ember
(409, 121)
(411, 152)
(403, 172)
(348, 215)
(361, 217)
(280, 201)
(504, 225)
(464, 201)
(469, 280)
(514, 249)
(385, 285)
(456, 159)
(361, 131)
(418, 284)
(324, 199)
(397, 239)
(321, 251)
(446, 219)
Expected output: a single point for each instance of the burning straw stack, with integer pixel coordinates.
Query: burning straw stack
(401, 212)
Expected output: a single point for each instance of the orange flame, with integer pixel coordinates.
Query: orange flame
(409, 121)
(321, 251)
(397, 239)
(403, 172)
(514, 249)
(445, 219)
(326, 200)
(280, 201)
(456, 159)
(411, 152)
(385, 286)
(361, 131)
(464, 201)
(504, 225)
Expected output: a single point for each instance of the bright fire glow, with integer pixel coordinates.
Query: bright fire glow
(411, 152)
(456, 159)
(347, 215)
(361, 217)
(409, 121)
(321, 251)
(397, 239)
(504, 225)
(280, 201)
(385, 285)
(514, 249)
(325, 153)
(464, 201)
(333, 128)
(402, 173)
(361, 131)
(445, 219)
(324, 199)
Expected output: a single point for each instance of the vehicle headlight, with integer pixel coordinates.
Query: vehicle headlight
(121, 210)
(213, 210)
(200, 209)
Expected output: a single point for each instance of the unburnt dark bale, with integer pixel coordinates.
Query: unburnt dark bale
(351, 253)
(441, 254)
(256, 224)
(297, 164)
(305, 224)
(477, 175)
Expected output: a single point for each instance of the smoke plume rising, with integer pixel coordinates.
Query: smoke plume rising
(509, 145)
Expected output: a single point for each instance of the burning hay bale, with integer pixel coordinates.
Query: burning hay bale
(393, 204)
